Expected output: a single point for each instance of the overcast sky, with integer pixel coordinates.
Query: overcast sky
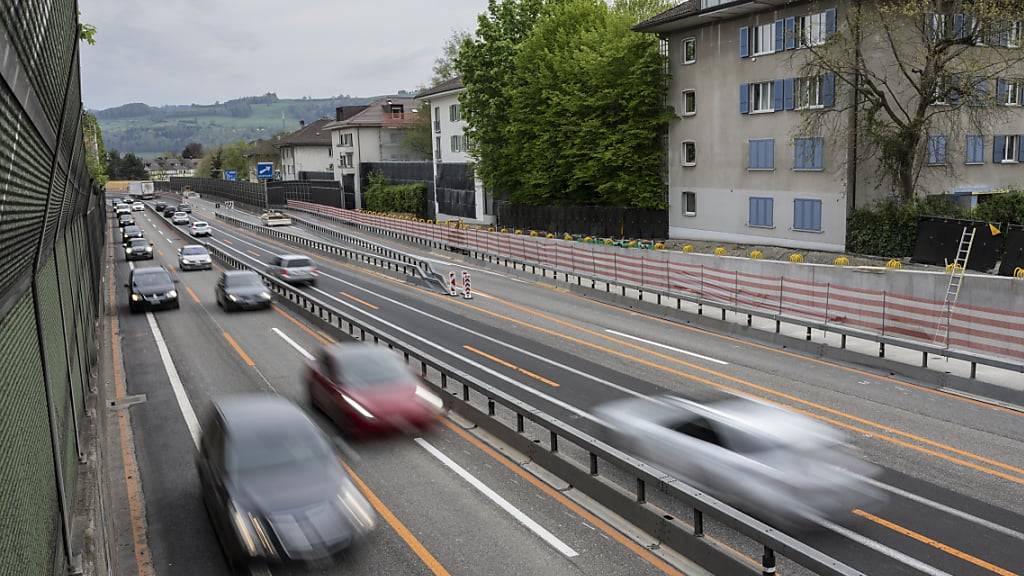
(202, 51)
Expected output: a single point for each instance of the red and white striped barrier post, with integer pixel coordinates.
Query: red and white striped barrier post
(467, 291)
(452, 286)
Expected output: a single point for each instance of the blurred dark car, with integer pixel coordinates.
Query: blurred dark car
(367, 389)
(169, 211)
(129, 233)
(781, 467)
(274, 487)
(138, 249)
(160, 206)
(242, 290)
(151, 289)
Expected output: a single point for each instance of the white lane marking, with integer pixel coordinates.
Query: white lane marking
(131, 265)
(882, 549)
(522, 518)
(160, 231)
(667, 347)
(292, 343)
(480, 335)
(942, 507)
(172, 374)
(169, 241)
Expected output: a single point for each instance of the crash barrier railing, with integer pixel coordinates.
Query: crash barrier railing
(459, 389)
(407, 265)
(975, 334)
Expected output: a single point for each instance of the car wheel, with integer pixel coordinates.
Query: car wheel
(177, 305)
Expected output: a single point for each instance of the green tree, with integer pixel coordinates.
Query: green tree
(444, 65)
(95, 153)
(211, 164)
(114, 165)
(132, 168)
(232, 156)
(420, 136)
(192, 150)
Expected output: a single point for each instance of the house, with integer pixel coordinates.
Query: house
(743, 166)
(458, 193)
(373, 133)
(307, 150)
(162, 168)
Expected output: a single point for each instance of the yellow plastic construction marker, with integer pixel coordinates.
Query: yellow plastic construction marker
(995, 230)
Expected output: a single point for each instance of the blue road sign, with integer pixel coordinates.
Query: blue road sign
(230, 175)
(265, 170)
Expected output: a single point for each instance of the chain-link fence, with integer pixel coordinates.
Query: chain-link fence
(52, 223)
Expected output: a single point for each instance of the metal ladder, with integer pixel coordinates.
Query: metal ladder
(956, 279)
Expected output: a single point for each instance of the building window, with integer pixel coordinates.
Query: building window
(344, 140)
(455, 112)
(808, 92)
(689, 102)
(689, 204)
(975, 149)
(1006, 149)
(812, 29)
(937, 26)
(764, 39)
(762, 97)
(761, 212)
(808, 153)
(807, 215)
(761, 154)
(1008, 91)
(689, 154)
(437, 148)
(689, 50)
(460, 143)
(936, 150)
(1013, 34)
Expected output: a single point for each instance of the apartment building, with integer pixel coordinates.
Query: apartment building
(373, 133)
(743, 166)
(458, 193)
(308, 149)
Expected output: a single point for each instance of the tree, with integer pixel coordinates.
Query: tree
(95, 154)
(132, 168)
(232, 156)
(444, 65)
(907, 69)
(114, 165)
(192, 150)
(420, 136)
(486, 64)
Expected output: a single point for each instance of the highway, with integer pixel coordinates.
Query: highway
(953, 468)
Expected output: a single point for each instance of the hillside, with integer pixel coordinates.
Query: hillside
(148, 130)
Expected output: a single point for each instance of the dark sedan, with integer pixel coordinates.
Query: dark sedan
(160, 206)
(274, 487)
(138, 249)
(151, 289)
(242, 290)
(129, 233)
(125, 220)
(169, 211)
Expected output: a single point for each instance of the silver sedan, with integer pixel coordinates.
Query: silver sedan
(781, 467)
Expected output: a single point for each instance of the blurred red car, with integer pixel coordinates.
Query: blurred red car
(368, 389)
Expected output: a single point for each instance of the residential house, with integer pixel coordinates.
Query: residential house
(162, 168)
(307, 150)
(458, 193)
(373, 133)
(741, 166)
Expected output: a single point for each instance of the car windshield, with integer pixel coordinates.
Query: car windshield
(193, 251)
(243, 280)
(200, 224)
(140, 242)
(297, 263)
(179, 214)
(280, 447)
(151, 279)
(371, 368)
(130, 230)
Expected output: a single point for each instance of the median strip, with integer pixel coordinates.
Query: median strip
(238, 349)
(512, 366)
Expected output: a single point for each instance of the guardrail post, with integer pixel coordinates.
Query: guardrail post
(881, 349)
(641, 491)
(808, 337)
(554, 441)
(444, 381)
(924, 359)
(842, 341)
(768, 562)
(593, 464)
(423, 369)
(698, 523)
(974, 370)
(520, 425)
(465, 392)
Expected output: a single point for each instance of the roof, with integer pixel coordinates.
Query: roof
(312, 134)
(446, 86)
(675, 13)
(379, 114)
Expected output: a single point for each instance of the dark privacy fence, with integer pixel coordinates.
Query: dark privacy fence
(598, 221)
(456, 191)
(52, 223)
(325, 192)
(403, 173)
(938, 240)
(246, 192)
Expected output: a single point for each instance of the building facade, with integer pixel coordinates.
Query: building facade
(743, 166)
(308, 149)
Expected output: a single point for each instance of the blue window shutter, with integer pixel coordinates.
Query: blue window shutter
(975, 149)
(777, 93)
(769, 212)
(1002, 90)
(958, 26)
(770, 154)
(807, 214)
(780, 36)
(1020, 148)
(752, 207)
(798, 214)
(744, 98)
(815, 214)
(830, 22)
(798, 153)
(790, 33)
(819, 153)
(744, 42)
(828, 90)
(751, 154)
(998, 148)
(940, 148)
(789, 102)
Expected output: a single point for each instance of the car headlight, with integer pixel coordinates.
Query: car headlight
(172, 294)
(149, 248)
(127, 250)
(358, 508)
(136, 297)
(358, 407)
(243, 529)
(431, 398)
(232, 297)
(266, 295)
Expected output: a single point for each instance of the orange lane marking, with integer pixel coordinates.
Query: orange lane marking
(361, 301)
(245, 357)
(160, 253)
(320, 336)
(253, 253)
(225, 240)
(417, 547)
(764, 389)
(935, 543)
(192, 294)
(565, 501)
(136, 502)
(511, 366)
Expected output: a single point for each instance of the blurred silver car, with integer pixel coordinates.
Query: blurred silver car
(293, 269)
(778, 466)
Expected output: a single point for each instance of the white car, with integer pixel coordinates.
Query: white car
(122, 209)
(138, 207)
(194, 257)
(179, 218)
(199, 228)
(275, 219)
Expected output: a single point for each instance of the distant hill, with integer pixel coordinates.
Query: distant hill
(148, 130)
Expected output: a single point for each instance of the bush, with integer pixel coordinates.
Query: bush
(1008, 207)
(889, 228)
(404, 198)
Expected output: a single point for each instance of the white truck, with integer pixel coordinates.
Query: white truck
(275, 218)
(141, 190)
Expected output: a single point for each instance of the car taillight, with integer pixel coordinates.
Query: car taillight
(284, 271)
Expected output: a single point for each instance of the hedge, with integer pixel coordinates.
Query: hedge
(383, 197)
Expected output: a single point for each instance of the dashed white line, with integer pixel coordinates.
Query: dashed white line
(292, 343)
(667, 347)
(169, 241)
(522, 518)
(161, 232)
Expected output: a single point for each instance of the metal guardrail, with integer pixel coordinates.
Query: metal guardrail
(457, 389)
(698, 299)
(400, 263)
